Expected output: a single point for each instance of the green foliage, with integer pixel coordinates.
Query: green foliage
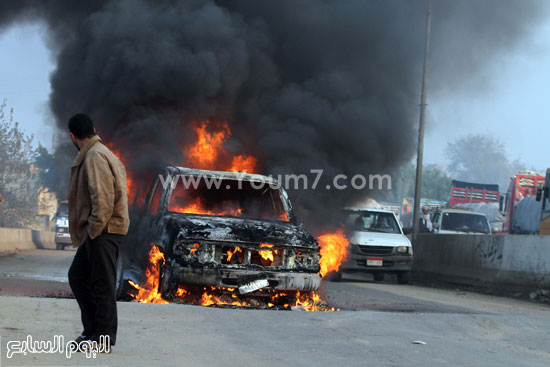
(436, 184)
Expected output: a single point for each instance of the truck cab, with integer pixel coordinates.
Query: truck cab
(377, 245)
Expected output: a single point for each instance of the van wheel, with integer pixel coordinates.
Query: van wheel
(379, 277)
(403, 277)
(59, 246)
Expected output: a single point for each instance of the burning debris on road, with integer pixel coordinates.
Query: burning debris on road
(148, 292)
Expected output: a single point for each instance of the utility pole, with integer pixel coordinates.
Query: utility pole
(420, 152)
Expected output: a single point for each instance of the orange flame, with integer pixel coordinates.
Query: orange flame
(243, 163)
(204, 153)
(334, 251)
(231, 253)
(148, 291)
(224, 296)
(208, 151)
(220, 296)
(266, 254)
(196, 207)
(130, 184)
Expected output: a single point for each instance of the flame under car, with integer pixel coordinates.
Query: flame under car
(222, 229)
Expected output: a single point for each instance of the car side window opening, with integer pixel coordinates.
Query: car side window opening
(155, 200)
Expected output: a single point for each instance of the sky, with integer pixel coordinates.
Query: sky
(511, 105)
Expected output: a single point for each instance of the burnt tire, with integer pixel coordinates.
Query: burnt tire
(378, 277)
(334, 276)
(404, 277)
(59, 246)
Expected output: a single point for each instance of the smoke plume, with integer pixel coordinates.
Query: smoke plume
(328, 84)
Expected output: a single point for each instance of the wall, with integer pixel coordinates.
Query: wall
(507, 262)
(12, 239)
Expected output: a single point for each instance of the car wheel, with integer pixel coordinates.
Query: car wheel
(59, 246)
(403, 277)
(379, 276)
(334, 276)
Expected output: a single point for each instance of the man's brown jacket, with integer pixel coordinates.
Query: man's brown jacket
(97, 193)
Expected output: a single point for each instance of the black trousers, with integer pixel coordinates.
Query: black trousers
(92, 277)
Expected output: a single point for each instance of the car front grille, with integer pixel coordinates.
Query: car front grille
(375, 250)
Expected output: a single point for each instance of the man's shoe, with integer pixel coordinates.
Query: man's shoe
(74, 344)
(81, 338)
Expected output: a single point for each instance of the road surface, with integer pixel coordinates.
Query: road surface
(378, 325)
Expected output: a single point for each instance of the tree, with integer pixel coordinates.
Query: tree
(55, 169)
(480, 158)
(18, 183)
(436, 184)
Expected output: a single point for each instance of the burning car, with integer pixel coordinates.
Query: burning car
(220, 229)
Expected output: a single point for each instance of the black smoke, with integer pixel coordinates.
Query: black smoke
(327, 84)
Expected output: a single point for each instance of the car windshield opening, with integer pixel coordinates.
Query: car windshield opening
(373, 222)
(464, 222)
(228, 197)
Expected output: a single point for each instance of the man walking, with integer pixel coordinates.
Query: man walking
(98, 221)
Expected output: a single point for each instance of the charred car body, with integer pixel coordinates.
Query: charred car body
(223, 229)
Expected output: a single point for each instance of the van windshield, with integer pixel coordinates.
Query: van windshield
(465, 222)
(372, 222)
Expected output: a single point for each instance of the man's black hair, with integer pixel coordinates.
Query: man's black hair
(82, 126)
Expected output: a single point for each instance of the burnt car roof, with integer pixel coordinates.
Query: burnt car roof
(174, 170)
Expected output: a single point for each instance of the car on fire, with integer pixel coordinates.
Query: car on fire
(220, 229)
(377, 245)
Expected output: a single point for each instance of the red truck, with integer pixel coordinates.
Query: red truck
(522, 185)
(469, 192)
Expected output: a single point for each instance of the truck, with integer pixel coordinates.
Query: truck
(377, 245)
(460, 221)
(522, 185)
(544, 197)
(463, 192)
(221, 229)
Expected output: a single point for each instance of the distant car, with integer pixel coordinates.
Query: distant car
(377, 245)
(460, 221)
(62, 235)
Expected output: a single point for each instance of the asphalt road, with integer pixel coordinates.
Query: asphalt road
(377, 325)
